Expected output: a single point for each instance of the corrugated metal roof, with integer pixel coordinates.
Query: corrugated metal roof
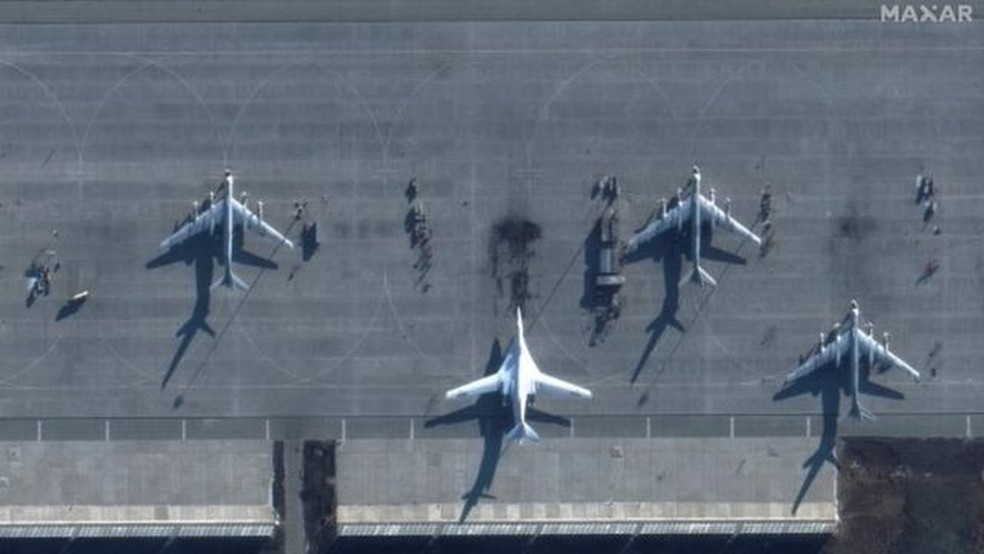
(61, 531)
(576, 528)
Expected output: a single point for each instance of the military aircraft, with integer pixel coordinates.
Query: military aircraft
(518, 379)
(226, 212)
(846, 337)
(697, 208)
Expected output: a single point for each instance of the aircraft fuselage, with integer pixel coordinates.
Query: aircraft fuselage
(523, 380)
(227, 224)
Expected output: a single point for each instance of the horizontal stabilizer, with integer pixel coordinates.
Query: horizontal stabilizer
(522, 432)
(699, 276)
(230, 280)
(860, 413)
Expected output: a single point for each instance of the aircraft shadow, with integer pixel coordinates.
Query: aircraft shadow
(245, 257)
(670, 250)
(494, 420)
(187, 252)
(197, 250)
(866, 386)
(710, 252)
(828, 383)
(248, 258)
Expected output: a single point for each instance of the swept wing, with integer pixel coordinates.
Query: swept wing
(558, 387)
(722, 219)
(202, 222)
(251, 221)
(868, 345)
(485, 385)
(673, 219)
(819, 358)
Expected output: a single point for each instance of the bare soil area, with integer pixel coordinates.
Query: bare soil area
(910, 496)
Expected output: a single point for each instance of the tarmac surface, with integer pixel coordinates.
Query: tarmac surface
(150, 489)
(410, 11)
(603, 480)
(109, 132)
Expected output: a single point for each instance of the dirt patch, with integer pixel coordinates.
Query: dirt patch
(318, 495)
(907, 495)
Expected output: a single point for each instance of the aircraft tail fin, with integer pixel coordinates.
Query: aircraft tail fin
(522, 431)
(699, 276)
(230, 280)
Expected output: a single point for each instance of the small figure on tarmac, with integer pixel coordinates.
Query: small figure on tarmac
(930, 211)
(765, 204)
(411, 192)
(299, 207)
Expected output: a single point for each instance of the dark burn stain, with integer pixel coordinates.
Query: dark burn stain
(517, 234)
(855, 227)
(509, 254)
(519, 288)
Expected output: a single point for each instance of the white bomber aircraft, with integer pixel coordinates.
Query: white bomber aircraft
(696, 208)
(846, 338)
(517, 379)
(227, 212)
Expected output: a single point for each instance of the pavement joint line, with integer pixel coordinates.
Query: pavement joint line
(410, 52)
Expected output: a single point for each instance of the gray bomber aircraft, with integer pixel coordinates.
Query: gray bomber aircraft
(697, 208)
(848, 338)
(519, 378)
(226, 212)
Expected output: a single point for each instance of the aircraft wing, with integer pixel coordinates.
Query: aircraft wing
(672, 220)
(720, 218)
(818, 359)
(487, 384)
(202, 222)
(883, 354)
(251, 221)
(558, 387)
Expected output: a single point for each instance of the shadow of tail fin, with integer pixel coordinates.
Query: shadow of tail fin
(699, 276)
(522, 431)
(230, 280)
